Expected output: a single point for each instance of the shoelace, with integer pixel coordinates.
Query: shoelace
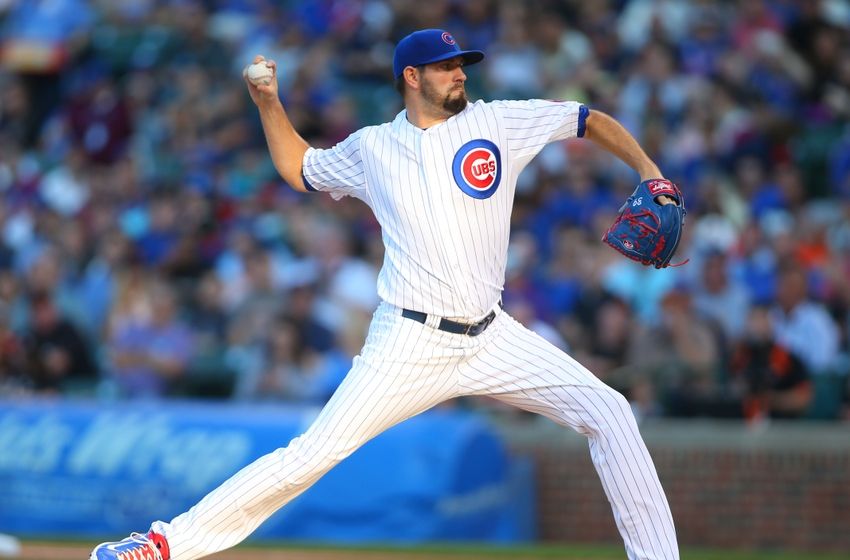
(146, 549)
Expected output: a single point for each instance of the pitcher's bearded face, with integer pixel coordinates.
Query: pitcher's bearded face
(443, 86)
(452, 102)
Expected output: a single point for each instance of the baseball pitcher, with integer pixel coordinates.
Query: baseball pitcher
(440, 178)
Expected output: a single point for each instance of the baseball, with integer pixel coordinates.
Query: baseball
(259, 74)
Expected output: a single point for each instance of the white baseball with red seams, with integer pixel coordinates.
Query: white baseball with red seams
(259, 74)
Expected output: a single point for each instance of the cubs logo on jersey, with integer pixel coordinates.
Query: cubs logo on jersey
(477, 168)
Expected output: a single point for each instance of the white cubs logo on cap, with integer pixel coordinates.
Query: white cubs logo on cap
(447, 38)
(477, 168)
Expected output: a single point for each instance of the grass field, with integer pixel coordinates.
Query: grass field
(288, 551)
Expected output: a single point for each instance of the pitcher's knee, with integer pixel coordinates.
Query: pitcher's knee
(618, 404)
(306, 458)
(611, 412)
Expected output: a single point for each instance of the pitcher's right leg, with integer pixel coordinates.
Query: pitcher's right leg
(403, 371)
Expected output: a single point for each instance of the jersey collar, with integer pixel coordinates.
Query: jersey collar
(401, 121)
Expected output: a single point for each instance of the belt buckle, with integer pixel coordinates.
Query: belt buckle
(477, 328)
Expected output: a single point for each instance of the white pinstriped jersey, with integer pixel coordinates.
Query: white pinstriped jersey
(443, 196)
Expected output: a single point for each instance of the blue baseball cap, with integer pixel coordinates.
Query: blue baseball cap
(427, 46)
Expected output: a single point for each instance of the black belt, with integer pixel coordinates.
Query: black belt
(471, 329)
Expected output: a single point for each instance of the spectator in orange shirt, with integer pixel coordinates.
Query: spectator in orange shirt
(775, 382)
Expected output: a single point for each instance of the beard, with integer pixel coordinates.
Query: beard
(452, 103)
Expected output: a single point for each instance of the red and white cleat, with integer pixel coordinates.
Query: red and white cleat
(152, 546)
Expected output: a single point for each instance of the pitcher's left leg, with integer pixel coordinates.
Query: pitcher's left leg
(520, 368)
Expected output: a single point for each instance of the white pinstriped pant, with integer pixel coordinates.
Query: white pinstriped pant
(406, 368)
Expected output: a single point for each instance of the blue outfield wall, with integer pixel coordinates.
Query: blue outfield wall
(89, 470)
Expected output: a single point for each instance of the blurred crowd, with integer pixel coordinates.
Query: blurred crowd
(148, 248)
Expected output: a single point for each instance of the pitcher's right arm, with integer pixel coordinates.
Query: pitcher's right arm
(286, 146)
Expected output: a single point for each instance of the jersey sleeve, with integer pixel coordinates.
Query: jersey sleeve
(337, 170)
(530, 125)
